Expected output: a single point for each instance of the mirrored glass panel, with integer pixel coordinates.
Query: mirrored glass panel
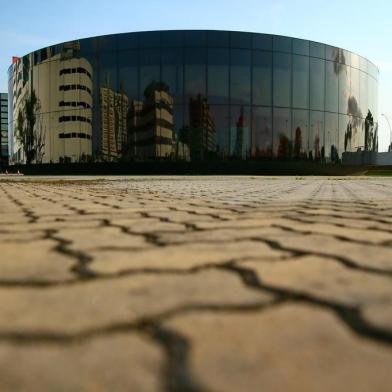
(172, 72)
(220, 117)
(300, 82)
(240, 132)
(195, 72)
(240, 74)
(316, 136)
(331, 137)
(331, 86)
(282, 141)
(282, 44)
(200, 132)
(301, 46)
(317, 84)
(344, 88)
(261, 132)
(218, 76)
(300, 134)
(262, 41)
(262, 78)
(282, 79)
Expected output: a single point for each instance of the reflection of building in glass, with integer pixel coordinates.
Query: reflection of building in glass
(151, 124)
(61, 81)
(240, 136)
(3, 129)
(200, 135)
(114, 109)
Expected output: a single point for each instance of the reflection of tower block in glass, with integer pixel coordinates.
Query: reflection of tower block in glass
(240, 137)
(151, 124)
(114, 108)
(202, 137)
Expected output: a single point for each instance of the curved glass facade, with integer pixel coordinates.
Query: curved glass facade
(190, 96)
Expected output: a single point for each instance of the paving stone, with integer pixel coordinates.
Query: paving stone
(101, 303)
(288, 348)
(181, 257)
(190, 283)
(33, 261)
(120, 363)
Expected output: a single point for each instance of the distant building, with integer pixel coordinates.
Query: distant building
(3, 129)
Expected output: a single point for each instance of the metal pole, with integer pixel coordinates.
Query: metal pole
(390, 132)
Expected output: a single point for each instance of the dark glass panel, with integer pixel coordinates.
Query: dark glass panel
(173, 72)
(261, 132)
(182, 151)
(149, 69)
(172, 38)
(108, 70)
(262, 41)
(150, 39)
(316, 136)
(240, 135)
(220, 117)
(218, 76)
(199, 130)
(240, 74)
(128, 41)
(262, 78)
(128, 64)
(87, 45)
(282, 44)
(107, 43)
(195, 72)
(282, 79)
(331, 137)
(240, 40)
(218, 38)
(195, 38)
(317, 84)
(301, 46)
(300, 134)
(317, 50)
(344, 88)
(300, 82)
(332, 86)
(282, 141)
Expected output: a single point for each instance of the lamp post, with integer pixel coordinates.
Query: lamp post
(390, 132)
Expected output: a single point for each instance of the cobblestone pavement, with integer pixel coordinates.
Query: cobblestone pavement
(196, 284)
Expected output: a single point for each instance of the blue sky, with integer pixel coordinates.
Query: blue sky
(361, 26)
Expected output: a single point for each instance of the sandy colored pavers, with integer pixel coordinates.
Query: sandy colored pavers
(196, 283)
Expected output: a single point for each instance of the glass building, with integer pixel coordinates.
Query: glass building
(191, 96)
(3, 129)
